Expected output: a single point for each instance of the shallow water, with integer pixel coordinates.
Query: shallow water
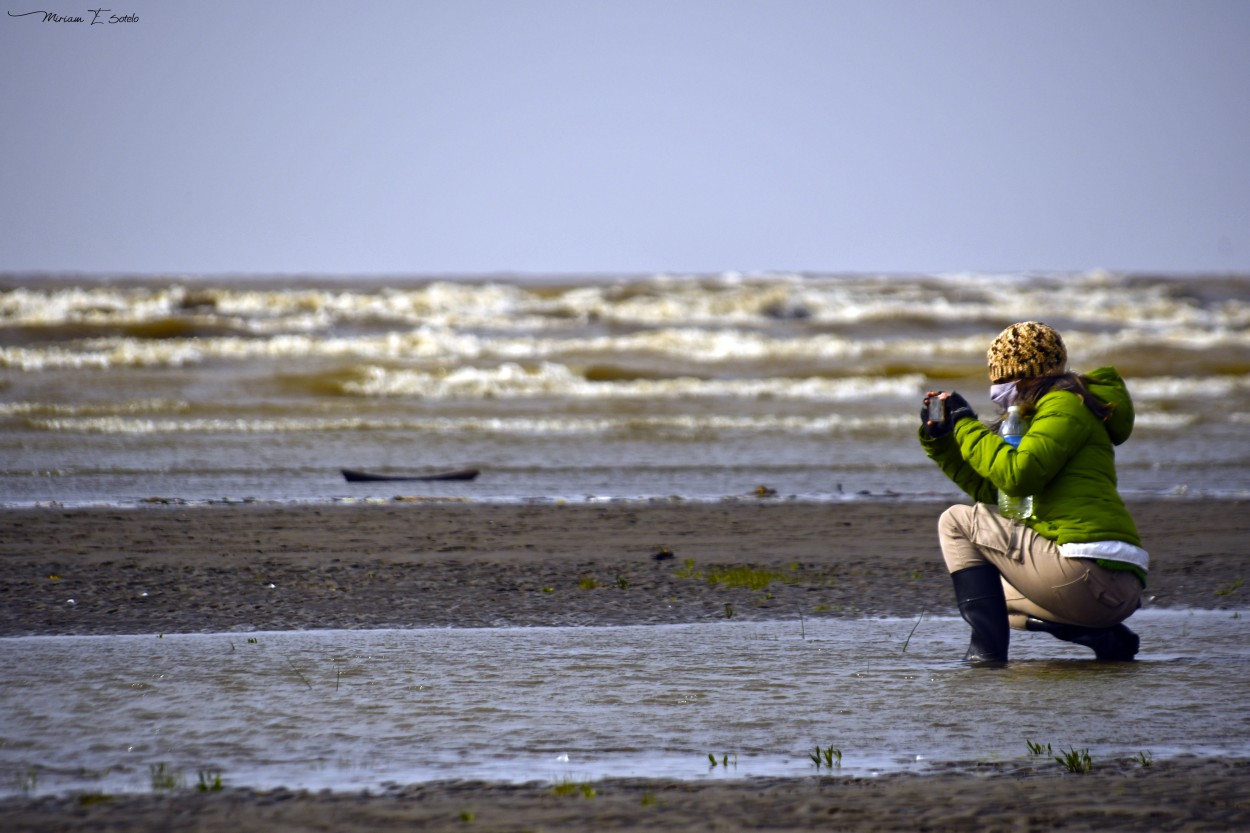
(360, 709)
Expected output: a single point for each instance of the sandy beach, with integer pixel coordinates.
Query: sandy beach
(411, 562)
(1183, 794)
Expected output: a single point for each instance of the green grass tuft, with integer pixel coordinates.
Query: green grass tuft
(566, 786)
(687, 570)
(1076, 760)
(830, 757)
(210, 781)
(164, 778)
(1230, 588)
(87, 799)
(752, 578)
(1037, 748)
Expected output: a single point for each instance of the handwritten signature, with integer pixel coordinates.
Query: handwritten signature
(97, 17)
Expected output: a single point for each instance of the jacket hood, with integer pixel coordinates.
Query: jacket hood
(1106, 384)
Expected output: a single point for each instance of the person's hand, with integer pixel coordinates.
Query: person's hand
(956, 408)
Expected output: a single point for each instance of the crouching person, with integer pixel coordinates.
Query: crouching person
(1074, 566)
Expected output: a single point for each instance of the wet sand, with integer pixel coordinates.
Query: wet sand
(417, 563)
(1182, 794)
(408, 564)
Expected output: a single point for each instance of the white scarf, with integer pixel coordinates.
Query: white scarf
(1003, 394)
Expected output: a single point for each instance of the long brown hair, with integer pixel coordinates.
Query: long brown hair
(1030, 391)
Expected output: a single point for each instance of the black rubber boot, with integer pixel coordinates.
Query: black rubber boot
(1114, 644)
(979, 593)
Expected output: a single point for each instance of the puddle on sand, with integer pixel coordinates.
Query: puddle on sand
(360, 709)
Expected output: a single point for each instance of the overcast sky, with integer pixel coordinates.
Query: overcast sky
(566, 136)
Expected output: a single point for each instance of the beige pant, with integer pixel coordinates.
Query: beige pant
(1037, 580)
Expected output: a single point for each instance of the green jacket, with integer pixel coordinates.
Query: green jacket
(1066, 460)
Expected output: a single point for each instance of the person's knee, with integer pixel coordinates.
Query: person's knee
(953, 523)
(958, 551)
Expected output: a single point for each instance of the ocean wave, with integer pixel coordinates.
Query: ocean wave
(90, 409)
(785, 326)
(167, 308)
(1187, 387)
(104, 354)
(702, 425)
(1160, 420)
(190, 381)
(516, 426)
(1148, 351)
(555, 380)
(1092, 300)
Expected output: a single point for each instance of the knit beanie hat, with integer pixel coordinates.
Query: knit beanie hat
(1026, 351)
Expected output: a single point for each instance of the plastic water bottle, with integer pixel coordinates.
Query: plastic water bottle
(1015, 508)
